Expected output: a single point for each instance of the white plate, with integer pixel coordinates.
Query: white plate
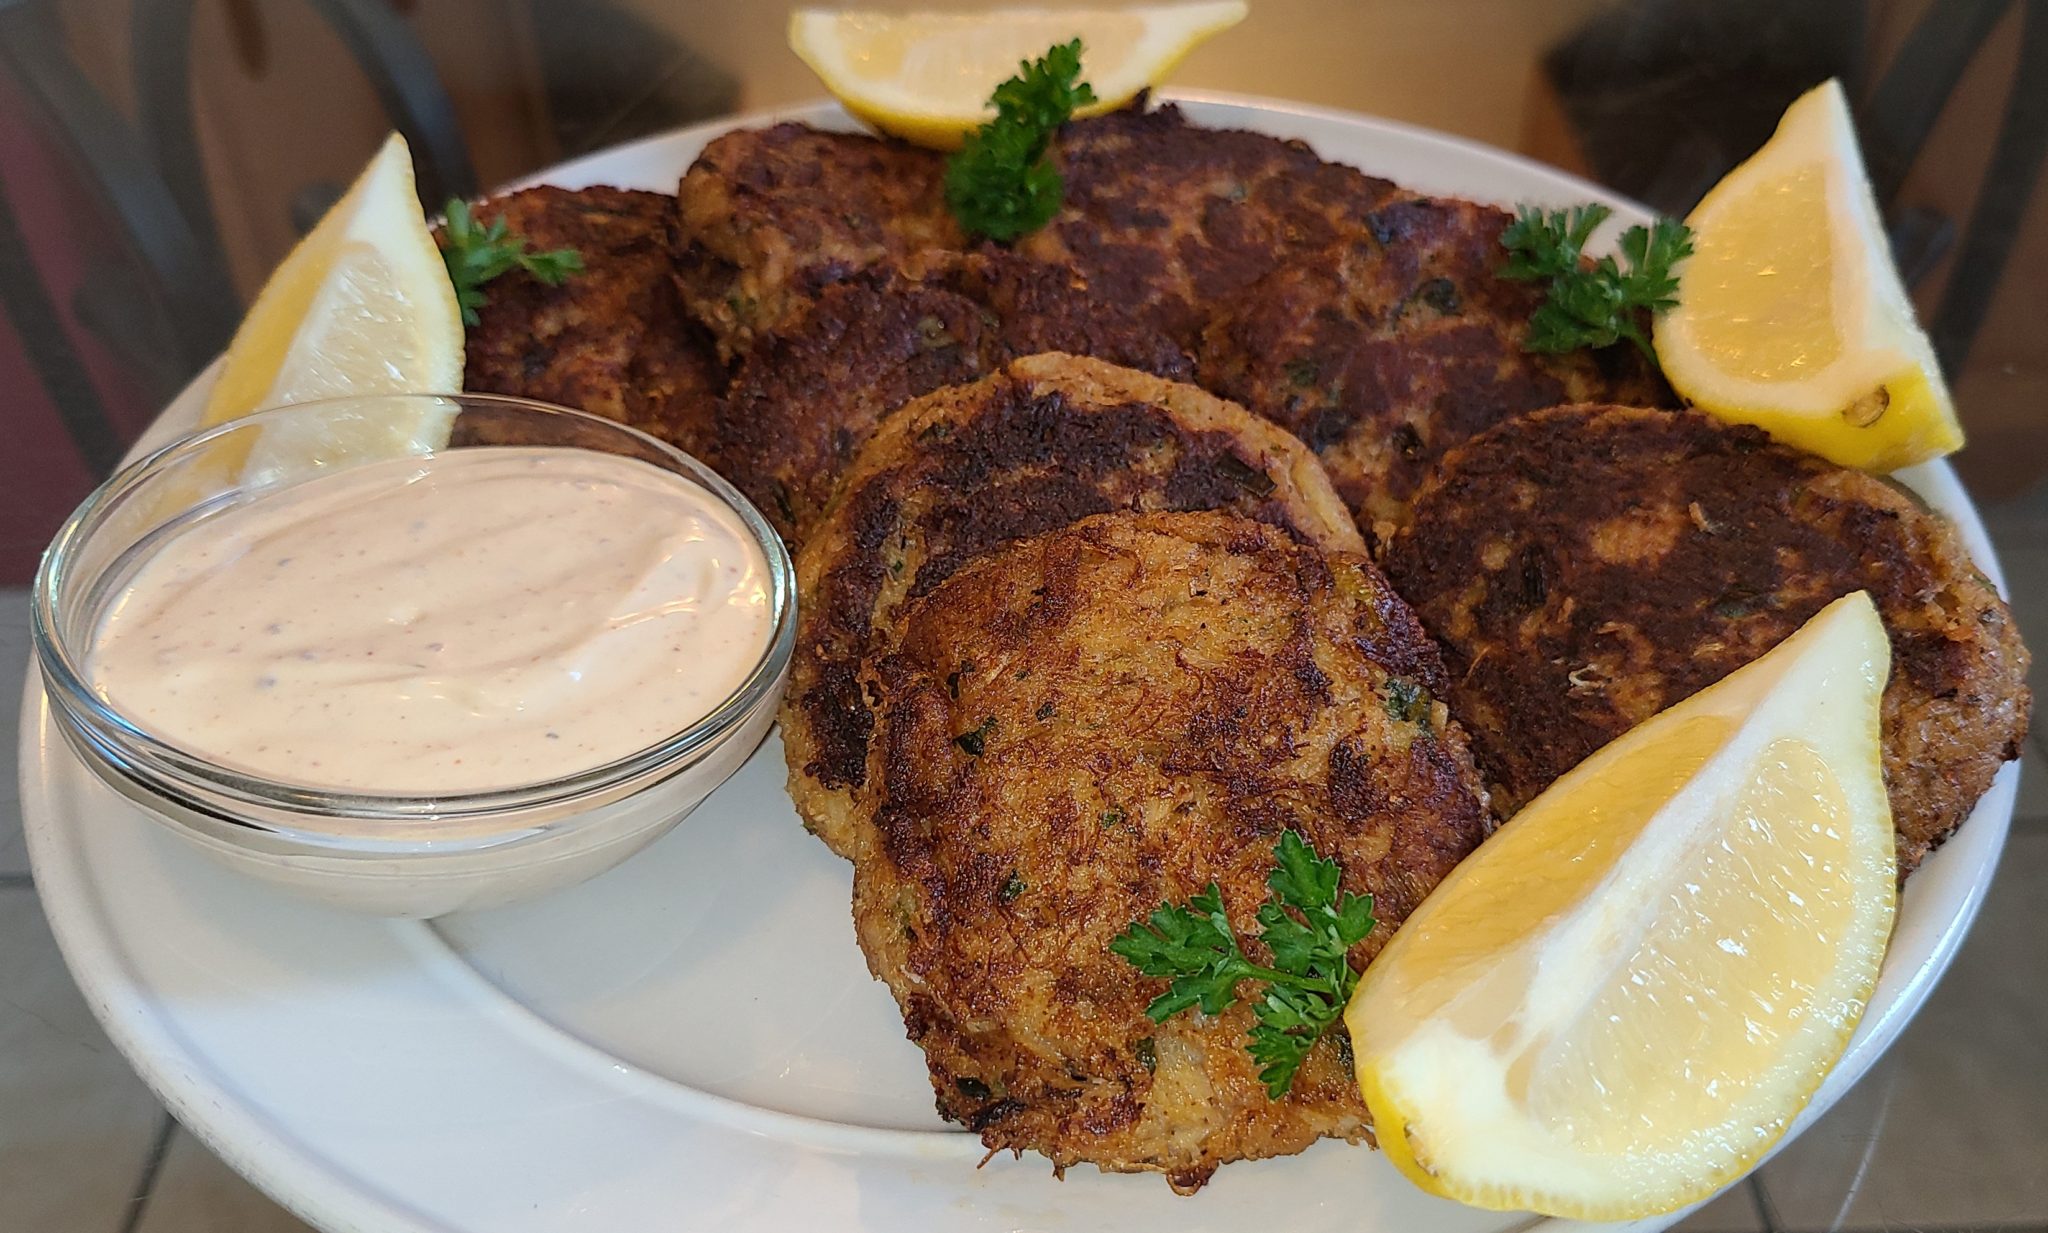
(692, 1041)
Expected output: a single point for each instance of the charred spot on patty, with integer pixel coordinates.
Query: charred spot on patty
(1586, 567)
(809, 396)
(1389, 346)
(1047, 441)
(1208, 668)
(613, 340)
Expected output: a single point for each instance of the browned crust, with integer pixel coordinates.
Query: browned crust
(805, 400)
(1176, 219)
(612, 340)
(1586, 567)
(767, 218)
(1047, 441)
(1164, 218)
(1160, 696)
(1401, 340)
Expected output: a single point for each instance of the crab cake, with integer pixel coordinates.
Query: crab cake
(805, 400)
(1586, 567)
(1078, 727)
(1045, 442)
(1176, 220)
(1163, 217)
(612, 340)
(767, 218)
(1388, 348)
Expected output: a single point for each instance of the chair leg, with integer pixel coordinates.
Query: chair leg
(410, 88)
(2002, 199)
(1904, 105)
(27, 305)
(185, 275)
(400, 70)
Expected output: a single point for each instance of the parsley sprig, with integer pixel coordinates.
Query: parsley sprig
(999, 184)
(477, 254)
(1599, 305)
(1308, 928)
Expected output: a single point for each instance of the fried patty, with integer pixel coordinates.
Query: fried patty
(1586, 567)
(1177, 220)
(1160, 217)
(1402, 340)
(612, 340)
(806, 399)
(1045, 442)
(767, 218)
(1081, 726)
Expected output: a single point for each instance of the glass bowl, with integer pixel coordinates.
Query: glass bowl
(392, 854)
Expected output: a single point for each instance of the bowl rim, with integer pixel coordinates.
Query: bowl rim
(323, 815)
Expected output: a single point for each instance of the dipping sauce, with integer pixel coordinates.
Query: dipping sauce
(479, 619)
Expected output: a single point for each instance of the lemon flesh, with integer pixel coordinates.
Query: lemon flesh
(1790, 313)
(926, 77)
(361, 306)
(1622, 999)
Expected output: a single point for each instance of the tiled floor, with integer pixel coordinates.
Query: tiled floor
(1950, 1132)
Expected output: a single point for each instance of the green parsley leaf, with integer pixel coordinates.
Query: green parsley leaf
(477, 254)
(999, 184)
(1600, 305)
(1406, 701)
(972, 743)
(1308, 925)
(1547, 245)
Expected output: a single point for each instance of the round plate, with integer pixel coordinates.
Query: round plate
(692, 1041)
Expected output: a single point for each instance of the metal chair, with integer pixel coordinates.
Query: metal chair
(177, 270)
(151, 175)
(383, 47)
(1667, 95)
(1898, 116)
(152, 185)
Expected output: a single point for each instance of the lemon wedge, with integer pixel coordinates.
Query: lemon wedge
(1790, 313)
(1622, 999)
(362, 305)
(926, 77)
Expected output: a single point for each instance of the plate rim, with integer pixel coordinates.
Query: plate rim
(301, 1181)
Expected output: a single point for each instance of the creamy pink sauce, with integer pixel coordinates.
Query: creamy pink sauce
(484, 618)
